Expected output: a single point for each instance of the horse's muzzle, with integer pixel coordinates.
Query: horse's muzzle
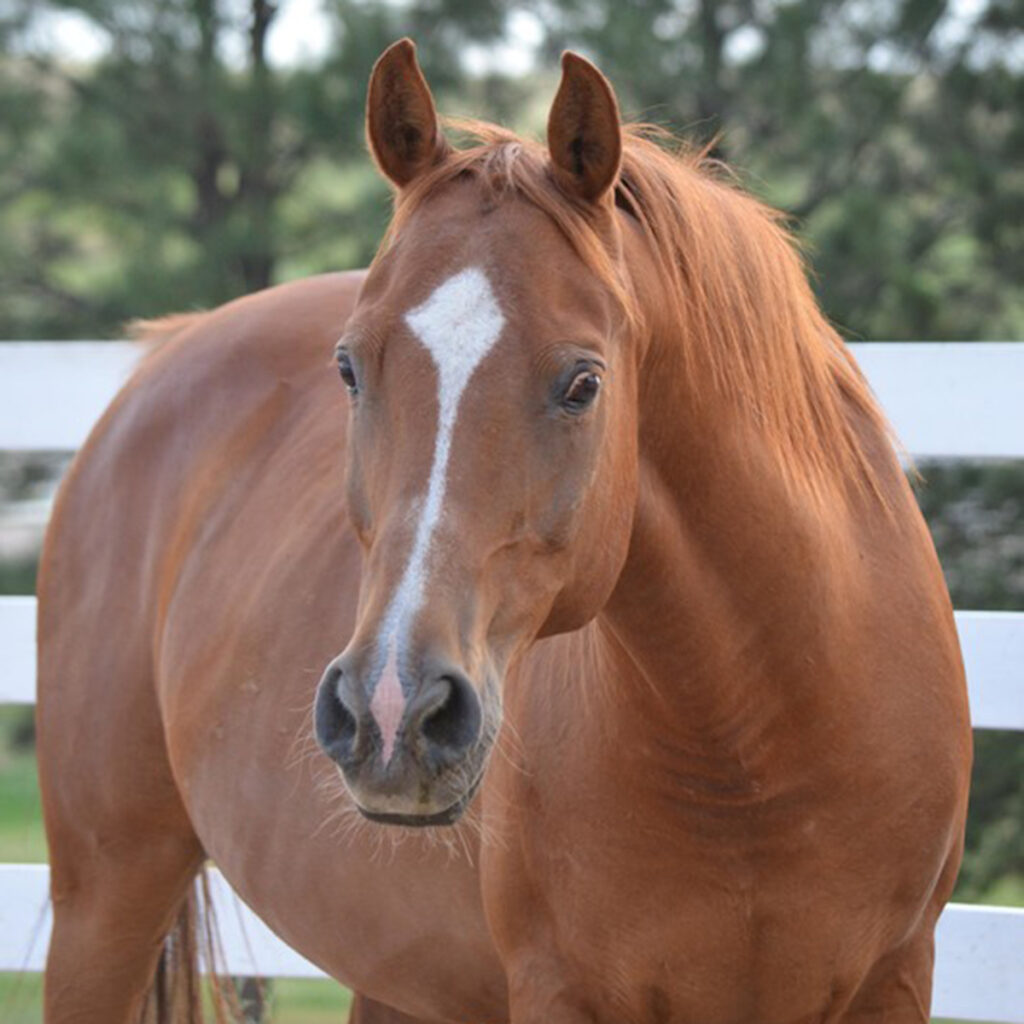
(412, 757)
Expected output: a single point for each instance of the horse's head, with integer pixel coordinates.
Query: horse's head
(492, 442)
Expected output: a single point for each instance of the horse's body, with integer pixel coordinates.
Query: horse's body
(735, 793)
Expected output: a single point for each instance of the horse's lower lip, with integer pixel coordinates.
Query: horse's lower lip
(448, 816)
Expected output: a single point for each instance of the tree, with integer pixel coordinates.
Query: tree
(173, 172)
(162, 168)
(890, 132)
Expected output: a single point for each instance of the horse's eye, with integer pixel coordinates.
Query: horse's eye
(581, 392)
(348, 374)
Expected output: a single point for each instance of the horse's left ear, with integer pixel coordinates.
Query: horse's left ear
(584, 135)
(401, 120)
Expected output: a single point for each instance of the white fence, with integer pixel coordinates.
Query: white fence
(945, 400)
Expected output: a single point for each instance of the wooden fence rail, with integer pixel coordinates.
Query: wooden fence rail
(954, 400)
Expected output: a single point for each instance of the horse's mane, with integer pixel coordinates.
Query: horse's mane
(161, 329)
(750, 327)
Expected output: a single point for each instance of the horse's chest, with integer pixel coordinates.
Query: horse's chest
(676, 933)
(701, 965)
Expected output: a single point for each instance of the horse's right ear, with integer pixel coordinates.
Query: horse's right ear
(401, 120)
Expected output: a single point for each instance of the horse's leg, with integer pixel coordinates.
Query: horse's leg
(367, 1011)
(898, 989)
(122, 850)
(111, 916)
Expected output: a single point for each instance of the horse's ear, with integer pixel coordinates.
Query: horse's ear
(401, 120)
(584, 135)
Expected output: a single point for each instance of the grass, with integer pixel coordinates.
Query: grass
(291, 1002)
(21, 998)
(308, 1002)
(21, 820)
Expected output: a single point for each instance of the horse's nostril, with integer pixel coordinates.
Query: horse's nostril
(345, 722)
(334, 723)
(451, 720)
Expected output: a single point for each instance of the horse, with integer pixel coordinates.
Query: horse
(597, 579)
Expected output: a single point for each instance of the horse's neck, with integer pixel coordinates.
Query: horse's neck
(721, 614)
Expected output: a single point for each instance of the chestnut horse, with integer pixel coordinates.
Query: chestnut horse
(630, 592)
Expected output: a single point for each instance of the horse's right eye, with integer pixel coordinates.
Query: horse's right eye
(348, 374)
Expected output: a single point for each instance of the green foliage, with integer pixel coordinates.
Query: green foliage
(18, 577)
(890, 133)
(167, 176)
(976, 515)
(993, 866)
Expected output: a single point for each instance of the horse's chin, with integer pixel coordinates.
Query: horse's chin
(449, 816)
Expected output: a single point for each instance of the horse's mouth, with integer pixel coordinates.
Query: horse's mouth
(449, 816)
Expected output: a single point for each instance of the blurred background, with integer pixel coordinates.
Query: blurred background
(165, 155)
(161, 155)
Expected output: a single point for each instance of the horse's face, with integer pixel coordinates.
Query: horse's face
(491, 476)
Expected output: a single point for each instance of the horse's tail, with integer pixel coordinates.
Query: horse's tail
(175, 995)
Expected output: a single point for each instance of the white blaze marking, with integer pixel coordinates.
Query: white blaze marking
(388, 704)
(458, 325)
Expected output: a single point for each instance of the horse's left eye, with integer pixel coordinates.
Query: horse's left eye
(581, 392)
(348, 374)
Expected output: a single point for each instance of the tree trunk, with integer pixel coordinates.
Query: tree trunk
(259, 190)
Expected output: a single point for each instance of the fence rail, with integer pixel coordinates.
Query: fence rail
(952, 400)
(945, 399)
(992, 642)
